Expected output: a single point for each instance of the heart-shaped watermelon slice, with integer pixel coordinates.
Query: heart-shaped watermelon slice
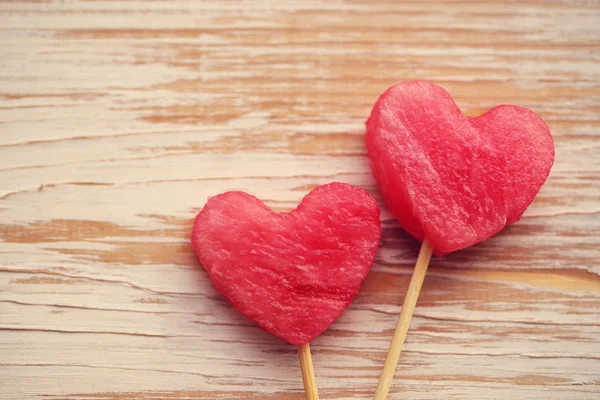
(451, 179)
(294, 273)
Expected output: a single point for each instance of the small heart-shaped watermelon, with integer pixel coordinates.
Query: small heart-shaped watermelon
(451, 179)
(294, 273)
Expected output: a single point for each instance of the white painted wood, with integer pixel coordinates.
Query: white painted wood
(119, 118)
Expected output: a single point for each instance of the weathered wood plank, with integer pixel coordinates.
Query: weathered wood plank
(119, 118)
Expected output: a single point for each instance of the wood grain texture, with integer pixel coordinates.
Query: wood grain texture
(119, 118)
(404, 319)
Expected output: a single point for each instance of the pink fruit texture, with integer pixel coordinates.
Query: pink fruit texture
(451, 179)
(294, 273)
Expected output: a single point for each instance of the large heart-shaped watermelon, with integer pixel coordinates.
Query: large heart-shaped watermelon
(451, 179)
(294, 273)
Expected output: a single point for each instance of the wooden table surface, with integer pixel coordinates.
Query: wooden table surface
(119, 118)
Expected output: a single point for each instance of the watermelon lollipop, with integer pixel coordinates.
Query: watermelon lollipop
(451, 180)
(293, 274)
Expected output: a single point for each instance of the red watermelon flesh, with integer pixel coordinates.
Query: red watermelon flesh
(451, 179)
(294, 273)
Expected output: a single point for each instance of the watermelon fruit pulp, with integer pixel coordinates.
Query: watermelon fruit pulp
(293, 274)
(451, 179)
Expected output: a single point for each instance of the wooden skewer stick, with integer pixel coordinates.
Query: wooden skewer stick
(410, 301)
(308, 372)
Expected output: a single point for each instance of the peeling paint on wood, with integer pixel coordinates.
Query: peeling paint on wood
(119, 118)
